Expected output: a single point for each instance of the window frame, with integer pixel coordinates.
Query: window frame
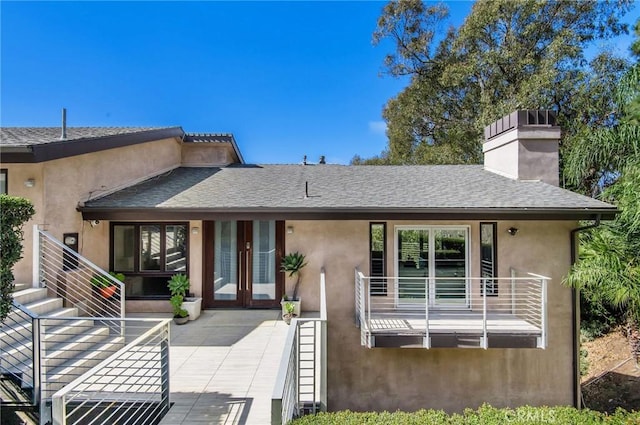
(5, 172)
(491, 283)
(381, 286)
(137, 272)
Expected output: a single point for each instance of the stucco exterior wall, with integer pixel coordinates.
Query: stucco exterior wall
(408, 379)
(17, 174)
(206, 155)
(62, 184)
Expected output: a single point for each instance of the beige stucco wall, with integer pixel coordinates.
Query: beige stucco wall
(62, 184)
(409, 379)
(206, 154)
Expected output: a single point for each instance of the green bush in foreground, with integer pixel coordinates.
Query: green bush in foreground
(485, 415)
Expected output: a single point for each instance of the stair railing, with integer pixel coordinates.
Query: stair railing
(69, 275)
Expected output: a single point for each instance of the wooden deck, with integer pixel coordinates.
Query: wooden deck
(448, 322)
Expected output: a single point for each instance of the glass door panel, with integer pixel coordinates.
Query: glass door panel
(225, 276)
(263, 278)
(450, 266)
(412, 265)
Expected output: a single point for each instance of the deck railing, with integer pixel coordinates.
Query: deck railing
(131, 386)
(423, 306)
(301, 386)
(68, 275)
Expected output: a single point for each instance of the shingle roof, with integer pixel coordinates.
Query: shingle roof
(343, 188)
(29, 136)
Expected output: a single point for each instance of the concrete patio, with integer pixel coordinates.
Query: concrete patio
(223, 367)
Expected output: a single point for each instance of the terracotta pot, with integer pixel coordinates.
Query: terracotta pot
(108, 291)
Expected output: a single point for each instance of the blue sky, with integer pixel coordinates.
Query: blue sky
(286, 78)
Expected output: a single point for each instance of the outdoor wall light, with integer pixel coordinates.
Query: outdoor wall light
(512, 231)
(195, 230)
(289, 230)
(94, 223)
(30, 182)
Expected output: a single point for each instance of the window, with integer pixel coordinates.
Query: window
(4, 181)
(149, 254)
(432, 262)
(488, 258)
(377, 258)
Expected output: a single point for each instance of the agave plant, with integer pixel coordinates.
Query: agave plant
(292, 263)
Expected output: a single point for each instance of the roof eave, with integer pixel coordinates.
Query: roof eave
(96, 213)
(67, 148)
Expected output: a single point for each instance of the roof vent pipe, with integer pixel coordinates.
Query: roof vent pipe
(64, 124)
(322, 160)
(304, 160)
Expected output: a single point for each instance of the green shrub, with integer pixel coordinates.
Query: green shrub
(485, 415)
(14, 212)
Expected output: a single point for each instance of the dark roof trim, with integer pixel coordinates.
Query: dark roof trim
(343, 214)
(66, 148)
(220, 137)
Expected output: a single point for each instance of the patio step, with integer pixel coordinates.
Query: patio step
(29, 295)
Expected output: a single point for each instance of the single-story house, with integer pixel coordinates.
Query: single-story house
(443, 283)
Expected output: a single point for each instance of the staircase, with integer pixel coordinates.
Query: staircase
(70, 345)
(69, 356)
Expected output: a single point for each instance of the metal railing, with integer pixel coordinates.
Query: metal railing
(19, 349)
(301, 386)
(131, 386)
(424, 306)
(68, 275)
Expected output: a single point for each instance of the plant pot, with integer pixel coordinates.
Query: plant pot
(287, 318)
(180, 320)
(108, 291)
(296, 309)
(193, 305)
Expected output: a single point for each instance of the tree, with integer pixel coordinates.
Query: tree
(609, 266)
(14, 213)
(507, 55)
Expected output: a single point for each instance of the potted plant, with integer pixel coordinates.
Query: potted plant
(105, 286)
(180, 315)
(179, 286)
(292, 264)
(288, 312)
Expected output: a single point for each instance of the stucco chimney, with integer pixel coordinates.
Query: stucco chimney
(524, 146)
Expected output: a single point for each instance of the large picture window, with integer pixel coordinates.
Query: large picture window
(149, 254)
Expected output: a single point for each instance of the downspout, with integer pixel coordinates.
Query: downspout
(575, 312)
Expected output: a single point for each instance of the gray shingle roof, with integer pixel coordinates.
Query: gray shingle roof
(338, 187)
(29, 136)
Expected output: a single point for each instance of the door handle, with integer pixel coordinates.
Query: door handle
(246, 276)
(240, 270)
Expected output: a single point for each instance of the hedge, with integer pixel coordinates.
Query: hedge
(14, 212)
(485, 415)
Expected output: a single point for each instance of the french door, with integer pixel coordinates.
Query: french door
(242, 261)
(432, 262)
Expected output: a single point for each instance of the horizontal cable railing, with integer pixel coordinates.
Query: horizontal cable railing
(17, 348)
(71, 346)
(75, 279)
(301, 386)
(462, 305)
(129, 385)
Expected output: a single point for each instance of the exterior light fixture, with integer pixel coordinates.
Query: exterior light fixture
(195, 230)
(512, 231)
(289, 230)
(30, 182)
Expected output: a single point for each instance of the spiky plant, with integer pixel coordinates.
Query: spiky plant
(292, 263)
